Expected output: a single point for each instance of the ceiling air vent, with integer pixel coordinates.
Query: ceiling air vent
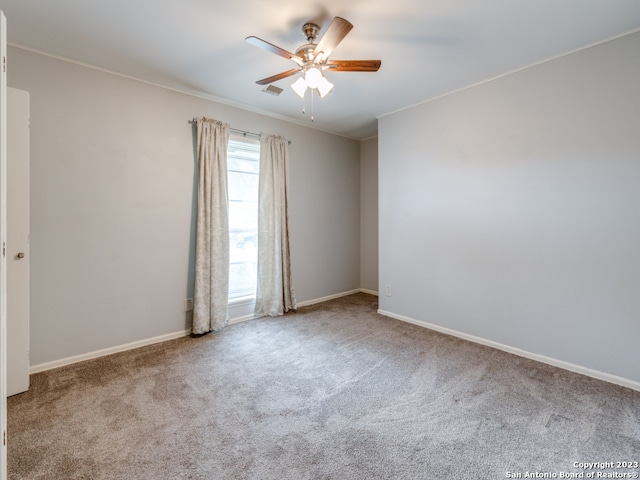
(273, 90)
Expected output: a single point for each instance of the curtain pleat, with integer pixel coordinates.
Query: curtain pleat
(212, 236)
(275, 293)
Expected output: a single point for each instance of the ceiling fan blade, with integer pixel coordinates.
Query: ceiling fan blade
(270, 47)
(279, 76)
(353, 65)
(332, 37)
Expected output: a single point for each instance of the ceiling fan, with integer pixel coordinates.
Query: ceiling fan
(313, 58)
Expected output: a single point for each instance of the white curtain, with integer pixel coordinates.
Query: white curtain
(212, 236)
(275, 294)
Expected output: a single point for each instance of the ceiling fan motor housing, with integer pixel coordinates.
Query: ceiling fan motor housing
(306, 52)
(311, 31)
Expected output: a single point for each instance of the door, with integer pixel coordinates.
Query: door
(3, 217)
(17, 241)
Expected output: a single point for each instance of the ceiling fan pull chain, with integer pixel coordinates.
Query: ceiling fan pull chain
(312, 90)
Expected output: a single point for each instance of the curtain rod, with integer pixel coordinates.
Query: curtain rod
(240, 132)
(243, 133)
(235, 130)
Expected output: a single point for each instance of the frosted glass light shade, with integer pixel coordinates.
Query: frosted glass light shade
(300, 87)
(313, 77)
(324, 87)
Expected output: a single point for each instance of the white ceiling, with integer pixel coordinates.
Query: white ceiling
(428, 47)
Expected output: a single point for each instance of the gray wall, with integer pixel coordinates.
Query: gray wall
(510, 211)
(112, 206)
(369, 214)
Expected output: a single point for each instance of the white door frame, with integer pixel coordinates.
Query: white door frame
(3, 239)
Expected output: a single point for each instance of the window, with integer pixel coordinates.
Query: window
(243, 165)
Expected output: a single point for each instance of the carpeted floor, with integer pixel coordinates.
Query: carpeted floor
(334, 391)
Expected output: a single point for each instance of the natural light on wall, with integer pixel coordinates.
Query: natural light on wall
(243, 165)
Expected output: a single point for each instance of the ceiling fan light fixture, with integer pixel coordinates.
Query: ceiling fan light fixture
(313, 57)
(300, 87)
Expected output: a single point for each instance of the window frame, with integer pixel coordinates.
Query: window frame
(241, 140)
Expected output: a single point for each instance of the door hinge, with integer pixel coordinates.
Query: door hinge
(4, 63)
(4, 249)
(4, 438)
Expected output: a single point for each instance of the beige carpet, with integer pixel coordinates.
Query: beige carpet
(334, 391)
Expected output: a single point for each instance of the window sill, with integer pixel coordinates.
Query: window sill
(241, 301)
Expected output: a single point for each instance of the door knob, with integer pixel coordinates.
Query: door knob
(20, 255)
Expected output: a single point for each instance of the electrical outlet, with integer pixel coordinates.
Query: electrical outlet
(188, 305)
(388, 291)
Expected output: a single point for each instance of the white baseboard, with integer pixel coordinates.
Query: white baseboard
(163, 338)
(106, 351)
(306, 303)
(607, 377)
(368, 292)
